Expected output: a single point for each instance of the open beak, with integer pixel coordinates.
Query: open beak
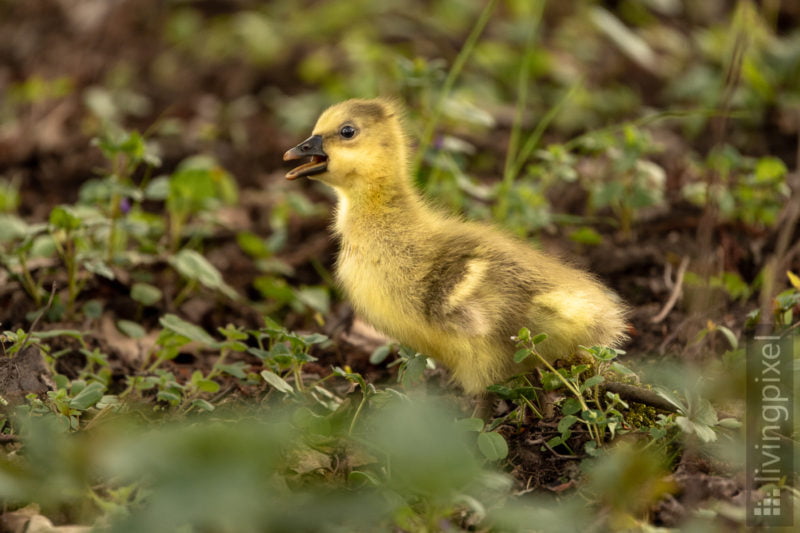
(311, 147)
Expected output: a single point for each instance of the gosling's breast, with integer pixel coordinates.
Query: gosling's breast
(378, 282)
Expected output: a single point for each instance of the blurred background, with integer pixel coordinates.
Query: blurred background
(653, 142)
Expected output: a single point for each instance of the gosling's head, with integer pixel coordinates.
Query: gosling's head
(355, 144)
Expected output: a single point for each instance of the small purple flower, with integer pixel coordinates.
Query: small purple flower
(124, 205)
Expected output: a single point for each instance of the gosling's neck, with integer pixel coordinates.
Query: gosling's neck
(378, 206)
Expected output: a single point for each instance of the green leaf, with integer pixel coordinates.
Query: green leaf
(199, 184)
(521, 355)
(194, 266)
(177, 325)
(703, 412)
(317, 298)
(202, 384)
(565, 423)
(504, 392)
(593, 415)
(730, 423)
(493, 446)
(314, 338)
(169, 397)
(602, 353)
(12, 227)
(232, 333)
(591, 449)
(794, 279)
(555, 441)
(703, 432)
(414, 369)
(90, 395)
(538, 338)
(592, 381)
(100, 268)
(351, 377)
(272, 288)
(770, 169)
(380, 354)
(93, 309)
(235, 346)
(730, 336)
(131, 329)
(157, 189)
(258, 352)
(619, 368)
(571, 406)
(207, 385)
(550, 381)
(203, 404)
(236, 369)
(145, 294)
(64, 217)
(252, 245)
(76, 386)
(470, 424)
(586, 235)
(276, 381)
(108, 400)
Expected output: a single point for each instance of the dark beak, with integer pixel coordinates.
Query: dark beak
(310, 147)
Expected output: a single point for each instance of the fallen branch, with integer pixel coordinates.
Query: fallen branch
(632, 393)
(676, 292)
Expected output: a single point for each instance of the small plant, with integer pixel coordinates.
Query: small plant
(625, 181)
(196, 188)
(284, 353)
(747, 189)
(696, 416)
(785, 308)
(126, 153)
(585, 405)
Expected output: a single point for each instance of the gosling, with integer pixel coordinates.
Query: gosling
(457, 291)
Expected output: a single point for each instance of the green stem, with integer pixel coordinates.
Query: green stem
(215, 371)
(112, 234)
(455, 70)
(184, 293)
(530, 144)
(533, 139)
(522, 90)
(361, 405)
(298, 378)
(72, 281)
(574, 390)
(564, 380)
(28, 282)
(175, 229)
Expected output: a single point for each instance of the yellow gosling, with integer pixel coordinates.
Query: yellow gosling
(455, 290)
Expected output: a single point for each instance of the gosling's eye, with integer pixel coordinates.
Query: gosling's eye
(348, 132)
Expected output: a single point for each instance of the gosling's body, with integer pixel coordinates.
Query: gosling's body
(455, 290)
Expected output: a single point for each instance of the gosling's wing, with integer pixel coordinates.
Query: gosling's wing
(475, 287)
